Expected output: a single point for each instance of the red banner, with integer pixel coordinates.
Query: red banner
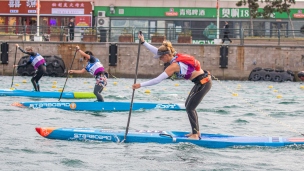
(47, 7)
(83, 21)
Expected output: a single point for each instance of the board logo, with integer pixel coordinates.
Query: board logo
(73, 105)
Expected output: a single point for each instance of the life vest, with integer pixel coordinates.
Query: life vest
(189, 60)
(37, 60)
(95, 67)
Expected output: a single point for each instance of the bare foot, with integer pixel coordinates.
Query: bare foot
(194, 136)
(190, 134)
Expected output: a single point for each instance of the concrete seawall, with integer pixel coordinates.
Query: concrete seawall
(241, 59)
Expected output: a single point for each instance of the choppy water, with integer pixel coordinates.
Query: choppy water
(246, 111)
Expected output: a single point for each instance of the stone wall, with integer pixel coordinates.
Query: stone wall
(241, 59)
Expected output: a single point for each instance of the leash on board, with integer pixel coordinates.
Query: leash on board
(259, 110)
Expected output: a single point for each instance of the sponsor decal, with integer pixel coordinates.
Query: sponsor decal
(166, 106)
(92, 137)
(171, 13)
(49, 105)
(73, 106)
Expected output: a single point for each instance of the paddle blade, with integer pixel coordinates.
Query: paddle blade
(12, 88)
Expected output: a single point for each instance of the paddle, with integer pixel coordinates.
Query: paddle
(131, 105)
(67, 75)
(14, 68)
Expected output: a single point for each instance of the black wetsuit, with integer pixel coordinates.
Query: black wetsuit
(40, 71)
(196, 95)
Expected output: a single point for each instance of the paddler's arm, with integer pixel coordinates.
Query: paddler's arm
(82, 53)
(151, 48)
(174, 67)
(23, 51)
(77, 71)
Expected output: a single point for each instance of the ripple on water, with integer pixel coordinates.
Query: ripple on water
(219, 112)
(241, 121)
(73, 162)
(249, 114)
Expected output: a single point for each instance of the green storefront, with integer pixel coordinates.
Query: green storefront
(201, 21)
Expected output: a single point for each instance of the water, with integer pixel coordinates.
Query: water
(231, 107)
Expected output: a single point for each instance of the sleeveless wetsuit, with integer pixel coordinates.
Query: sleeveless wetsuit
(202, 85)
(196, 95)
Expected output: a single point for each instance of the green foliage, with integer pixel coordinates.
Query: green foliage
(90, 31)
(252, 5)
(271, 6)
(186, 33)
(280, 6)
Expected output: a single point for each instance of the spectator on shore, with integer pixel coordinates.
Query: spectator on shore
(226, 32)
(71, 29)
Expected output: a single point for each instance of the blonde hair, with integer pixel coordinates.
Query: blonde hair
(29, 48)
(167, 46)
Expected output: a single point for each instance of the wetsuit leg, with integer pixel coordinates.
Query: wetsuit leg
(37, 76)
(195, 97)
(97, 90)
(33, 80)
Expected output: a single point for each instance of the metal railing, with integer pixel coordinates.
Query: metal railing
(114, 34)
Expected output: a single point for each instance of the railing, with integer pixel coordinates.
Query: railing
(113, 34)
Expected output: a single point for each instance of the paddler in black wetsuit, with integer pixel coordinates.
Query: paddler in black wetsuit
(200, 78)
(38, 63)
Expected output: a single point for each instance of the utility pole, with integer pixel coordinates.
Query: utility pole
(38, 17)
(218, 19)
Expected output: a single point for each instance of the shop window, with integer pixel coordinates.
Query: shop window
(54, 21)
(44, 25)
(12, 25)
(2, 24)
(65, 21)
(32, 28)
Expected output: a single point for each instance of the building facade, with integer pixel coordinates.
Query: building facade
(16, 14)
(173, 17)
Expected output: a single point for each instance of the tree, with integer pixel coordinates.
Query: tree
(253, 10)
(280, 6)
(271, 7)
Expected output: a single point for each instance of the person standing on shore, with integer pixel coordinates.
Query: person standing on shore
(226, 32)
(71, 29)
